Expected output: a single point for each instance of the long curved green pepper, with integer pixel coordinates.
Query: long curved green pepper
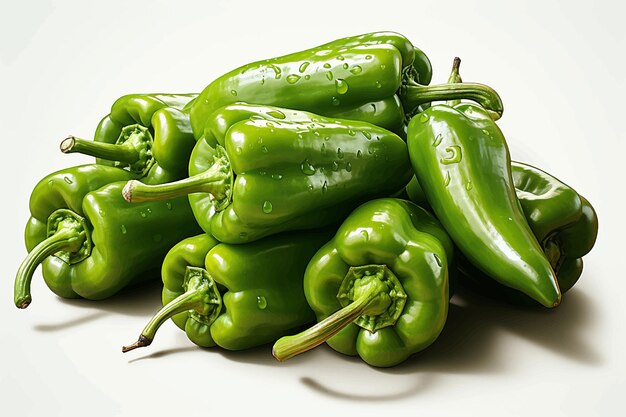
(379, 288)
(261, 170)
(351, 78)
(147, 134)
(462, 162)
(89, 241)
(235, 296)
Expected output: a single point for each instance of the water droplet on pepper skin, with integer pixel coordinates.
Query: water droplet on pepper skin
(267, 207)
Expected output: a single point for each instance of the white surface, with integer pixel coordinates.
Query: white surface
(558, 66)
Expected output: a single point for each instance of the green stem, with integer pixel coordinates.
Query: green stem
(289, 346)
(455, 78)
(124, 152)
(63, 239)
(217, 180)
(190, 300)
(413, 94)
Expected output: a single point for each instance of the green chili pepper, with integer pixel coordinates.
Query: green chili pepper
(90, 242)
(462, 161)
(380, 288)
(235, 296)
(354, 78)
(564, 223)
(277, 170)
(147, 134)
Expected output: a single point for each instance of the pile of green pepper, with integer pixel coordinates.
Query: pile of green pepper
(326, 196)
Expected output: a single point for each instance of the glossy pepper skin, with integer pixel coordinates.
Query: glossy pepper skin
(89, 241)
(264, 170)
(564, 223)
(462, 162)
(379, 288)
(235, 296)
(374, 77)
(147, 134)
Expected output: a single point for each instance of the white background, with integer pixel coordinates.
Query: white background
(559, 67)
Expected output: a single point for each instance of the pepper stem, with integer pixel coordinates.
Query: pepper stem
(413, 95)
(201, 299)
(289, 346)
(189, 300)
(65, 238)
(217, 180)
(455, 78)
(372, 298)
(124, 152)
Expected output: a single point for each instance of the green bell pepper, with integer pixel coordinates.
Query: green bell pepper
(265, 170)
(375, 77)
(90, 242)
(148, 134)
(379, 288)
(235, 296)
(462, 162)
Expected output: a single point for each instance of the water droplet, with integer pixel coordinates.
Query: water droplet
(277, 177)
(378, 84)
(307, 77)
(486, 132)
(102, 213)
(446, 179)
(339, 153)
(264, 149)
(262, 173)
(469, 186)
(267, 207)
(233, 92)
(368, 57)
(373, 107)
(293, 78)
(68, 180)
(335, 166)
(261, 302)
(329, 75)
(424, 117)
(345, 66)
(238, 149)
(340, 57)
(326, 137)
(206, 101)
(325, 187)
(243, 236)
(123, 229)
(143, 214)
(168, 205)
(327, 65)
(277, 71)
(311, 187)
(366, 236)
(351, 132)
(149, 210)
(323, 149)
(437, 140)
(341, 86)
(303, 66)
(356, 69)
(454, 155)
(276, 114)
(335, 101)
(367, 134)
(307, 168)
(348, 167)
(359, 154)
(437, 259)
(157, 238)
(316, 133)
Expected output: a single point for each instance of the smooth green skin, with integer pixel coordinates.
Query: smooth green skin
(128, 240)
(415, 247)
(364, 168)
(462, 162)
(564, 223)
(313, 80)
(559, 217)
(169, 125)
(270, 269)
